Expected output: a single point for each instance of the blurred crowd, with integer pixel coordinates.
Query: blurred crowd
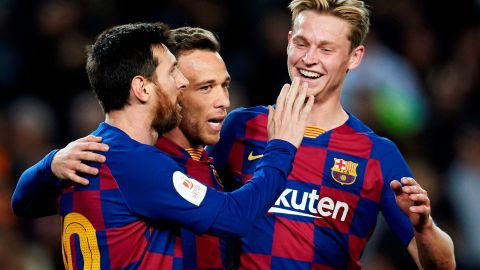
(419, 85)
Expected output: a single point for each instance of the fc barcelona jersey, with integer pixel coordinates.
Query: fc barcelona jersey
(132, 214)
(199, 251)
(338, 185)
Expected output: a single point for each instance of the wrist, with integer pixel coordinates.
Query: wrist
(425, 227)
(51, 168)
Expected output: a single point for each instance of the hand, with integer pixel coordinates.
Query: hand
(67, 162)
(413, 201)
(289, 119)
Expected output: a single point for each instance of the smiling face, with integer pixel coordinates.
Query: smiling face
(205, 100)
(319, 52)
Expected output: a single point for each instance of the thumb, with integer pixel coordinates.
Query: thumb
(396, 187)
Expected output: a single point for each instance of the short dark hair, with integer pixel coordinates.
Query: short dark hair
(118, 55)
(193, 38)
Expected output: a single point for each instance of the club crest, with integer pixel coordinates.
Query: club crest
(344, 171)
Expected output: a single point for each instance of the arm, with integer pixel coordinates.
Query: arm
(199, 208)
(37, 190)
(431, 247)
(38, 187)
(247, 204)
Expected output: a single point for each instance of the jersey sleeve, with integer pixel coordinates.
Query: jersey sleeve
(394, 167)
(37, 190)
(166, 193)
(221, 151)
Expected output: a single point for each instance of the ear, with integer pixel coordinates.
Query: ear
(138, 89)
(356, 57)
(289, 38)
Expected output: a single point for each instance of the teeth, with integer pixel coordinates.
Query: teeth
(309, 74)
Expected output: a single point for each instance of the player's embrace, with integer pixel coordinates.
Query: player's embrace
(130, 214)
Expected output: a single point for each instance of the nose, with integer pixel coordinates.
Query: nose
(181, 81)
(223, 100)
(310, 57)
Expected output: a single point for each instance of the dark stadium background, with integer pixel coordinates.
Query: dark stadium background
(419, 85)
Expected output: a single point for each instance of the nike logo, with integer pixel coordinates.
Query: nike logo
(253, 157)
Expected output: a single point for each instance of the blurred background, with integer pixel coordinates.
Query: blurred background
(418, 85)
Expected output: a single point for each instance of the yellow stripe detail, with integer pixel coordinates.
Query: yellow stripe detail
(195, 153)
(313, 132)
(75, 223)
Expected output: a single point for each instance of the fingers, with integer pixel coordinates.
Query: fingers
(84, 168)
(281, 97)
(288, 120)
(78, 179)
(415, 193)
(411, 186)
(89, 156)
(300, 100)
(69, 161)
(307, 108)
(292, 96)
(90, 138)
(92, 146)
(271, 122)
(421, 203)
(396, 187)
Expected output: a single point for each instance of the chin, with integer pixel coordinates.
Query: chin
(211, 140)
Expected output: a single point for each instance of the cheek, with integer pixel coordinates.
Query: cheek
(293, 56)
(336, 63)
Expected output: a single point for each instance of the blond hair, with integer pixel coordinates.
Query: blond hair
(352, 11)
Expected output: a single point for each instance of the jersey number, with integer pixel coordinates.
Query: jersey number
(75, 223)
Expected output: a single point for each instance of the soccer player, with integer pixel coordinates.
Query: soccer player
(204, 103)
(127, 216)
(343, 174)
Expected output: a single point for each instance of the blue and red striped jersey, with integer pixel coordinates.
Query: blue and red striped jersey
(199, 251)
(130, 216)
(338, 185)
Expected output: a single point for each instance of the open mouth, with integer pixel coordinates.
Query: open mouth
(309, 74)
(216, 122)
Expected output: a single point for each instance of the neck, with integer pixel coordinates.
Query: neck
(136, 124)
(327, 114)
(179, 138)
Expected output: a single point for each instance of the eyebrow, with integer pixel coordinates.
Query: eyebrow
(211, 81)
(303, 38)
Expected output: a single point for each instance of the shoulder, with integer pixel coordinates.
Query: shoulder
(380, 145)
(245, 114)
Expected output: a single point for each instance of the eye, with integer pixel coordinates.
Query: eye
(327, 50)
(206, 87)
(300, 45)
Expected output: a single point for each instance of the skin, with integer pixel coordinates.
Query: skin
(205, 100)
(318, 46)
(144, 111)
(167, 110)
(137, 119)
(320, 54)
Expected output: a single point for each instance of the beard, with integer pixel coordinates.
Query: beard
(193, 129)
(167, 115)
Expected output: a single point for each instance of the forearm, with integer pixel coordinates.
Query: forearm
(245, 205)
(435, 248)
(36, 191)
